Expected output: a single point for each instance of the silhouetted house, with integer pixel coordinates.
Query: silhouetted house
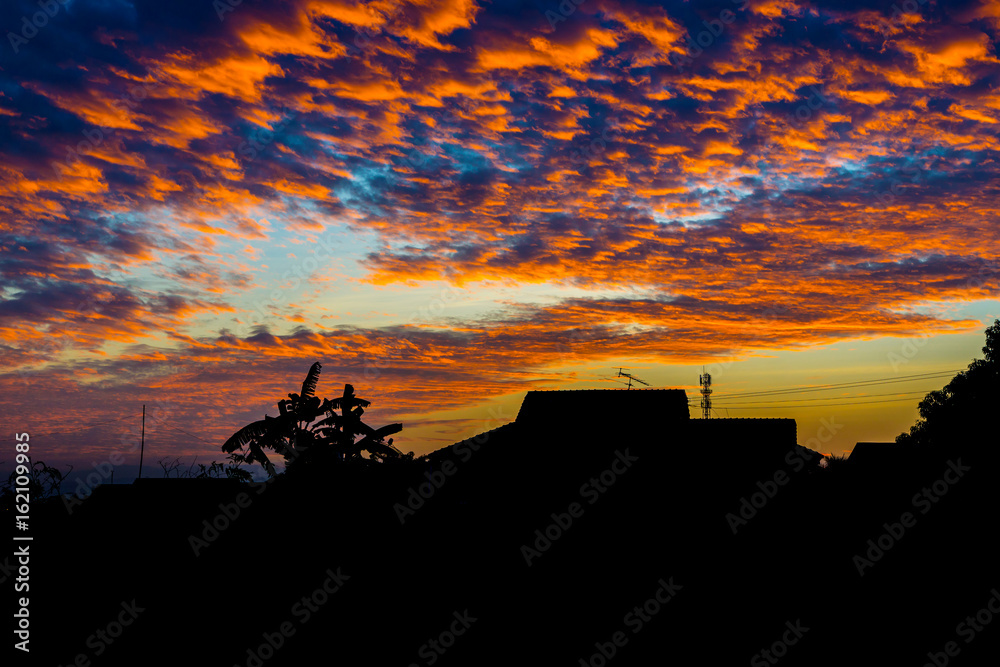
(620, 416)
(644, 412)
(623, 410)
(876, 454)
(172, 493)
(738, 433)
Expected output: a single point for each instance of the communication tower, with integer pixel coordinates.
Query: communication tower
(705, 380)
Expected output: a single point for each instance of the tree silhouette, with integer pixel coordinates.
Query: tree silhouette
(962, 411)
(300, 435)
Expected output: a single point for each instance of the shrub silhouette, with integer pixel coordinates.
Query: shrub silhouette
(215, 470)
(310, 431)
(44, 481)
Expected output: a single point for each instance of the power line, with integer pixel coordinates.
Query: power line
(844, 385)
(188, 434)
(821, 405)
(827, 398)
(841, 385)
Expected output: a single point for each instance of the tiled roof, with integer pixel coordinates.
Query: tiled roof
(634, 404)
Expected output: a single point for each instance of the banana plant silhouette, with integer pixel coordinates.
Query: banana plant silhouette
(297, 435)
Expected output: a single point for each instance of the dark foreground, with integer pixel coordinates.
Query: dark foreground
(640, 564)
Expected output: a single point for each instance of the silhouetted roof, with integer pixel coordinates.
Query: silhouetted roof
(876, 453)
(742, 436)
(633, 406)
(584, 415)
(482, 439)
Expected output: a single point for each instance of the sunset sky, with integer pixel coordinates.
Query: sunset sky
(448, 203)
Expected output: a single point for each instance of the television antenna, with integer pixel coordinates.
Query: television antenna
(631, 378)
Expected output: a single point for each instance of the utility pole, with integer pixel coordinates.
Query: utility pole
(142, 441)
